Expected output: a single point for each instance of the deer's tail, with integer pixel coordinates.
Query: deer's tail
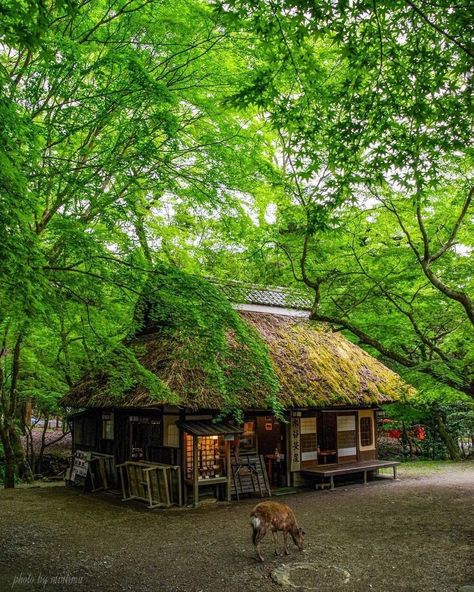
(255, 522)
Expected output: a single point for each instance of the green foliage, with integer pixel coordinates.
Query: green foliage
(376, 172)
(291, 142)
(110, 118)
(427, 408)
(125, 373)
(205, 334)
(23, 23)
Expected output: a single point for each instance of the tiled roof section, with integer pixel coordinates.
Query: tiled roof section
(240, 293)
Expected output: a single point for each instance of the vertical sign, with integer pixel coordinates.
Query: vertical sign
(295, 444)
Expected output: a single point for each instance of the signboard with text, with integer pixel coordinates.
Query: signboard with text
(80, 467)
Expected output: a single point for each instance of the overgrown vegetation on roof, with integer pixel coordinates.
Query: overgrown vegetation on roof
(200, 351)
(318, 367)
(190, 347)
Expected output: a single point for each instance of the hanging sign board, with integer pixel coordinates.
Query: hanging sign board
(295, 448)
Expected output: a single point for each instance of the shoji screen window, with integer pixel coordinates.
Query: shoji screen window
(309, 443)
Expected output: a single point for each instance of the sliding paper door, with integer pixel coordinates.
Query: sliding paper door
(346, 438)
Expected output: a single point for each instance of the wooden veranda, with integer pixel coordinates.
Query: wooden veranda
(334, 470)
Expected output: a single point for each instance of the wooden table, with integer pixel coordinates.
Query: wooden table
(212, 481)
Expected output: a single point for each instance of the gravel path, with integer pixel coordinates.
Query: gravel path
(412, 535)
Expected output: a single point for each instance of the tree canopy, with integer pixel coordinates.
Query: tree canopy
(325, 144)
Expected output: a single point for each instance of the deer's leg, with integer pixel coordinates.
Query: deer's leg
(275, 542)
(257, 538)
(285, 543)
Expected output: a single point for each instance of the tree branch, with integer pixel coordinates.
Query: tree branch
(465, 49)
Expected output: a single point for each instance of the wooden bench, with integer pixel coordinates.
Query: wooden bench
(334, 470)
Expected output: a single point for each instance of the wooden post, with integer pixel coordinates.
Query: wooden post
(195, 473)
(122, 479)
(365, 477)
(332, 481)
(167, 485)
(394, 472)
(148, 487)
(180, 491)
(182, 441)
(288, 450)
(229, 471)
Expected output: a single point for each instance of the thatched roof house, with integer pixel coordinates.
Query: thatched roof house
(304, 392)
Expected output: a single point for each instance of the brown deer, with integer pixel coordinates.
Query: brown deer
(273, 516)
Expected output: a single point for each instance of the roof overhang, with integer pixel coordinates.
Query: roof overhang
(274, 310)
(208, 428)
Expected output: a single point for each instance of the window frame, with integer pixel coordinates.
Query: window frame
(366, 431)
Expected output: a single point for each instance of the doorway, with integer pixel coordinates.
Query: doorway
(271, 444)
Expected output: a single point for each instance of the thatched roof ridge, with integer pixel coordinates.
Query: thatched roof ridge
(316, 368)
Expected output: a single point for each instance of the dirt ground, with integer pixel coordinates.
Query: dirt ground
(412, 535)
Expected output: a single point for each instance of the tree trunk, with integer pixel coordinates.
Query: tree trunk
(26, 412)
(43, 443)
(8, 418)
(30, 450)
(449, 442)
(10, 459)
(9, 482)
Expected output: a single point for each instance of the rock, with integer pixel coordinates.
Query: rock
(468, 588)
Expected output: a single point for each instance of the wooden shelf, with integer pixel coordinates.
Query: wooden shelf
(213, 481)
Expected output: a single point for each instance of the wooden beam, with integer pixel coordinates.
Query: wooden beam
(288, 450)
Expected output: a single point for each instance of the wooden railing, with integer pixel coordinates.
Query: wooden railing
(155, 483)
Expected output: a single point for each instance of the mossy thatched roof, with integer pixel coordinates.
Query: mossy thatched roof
(316, 367)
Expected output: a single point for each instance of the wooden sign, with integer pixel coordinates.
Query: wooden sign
(295, 444)
(80, 467)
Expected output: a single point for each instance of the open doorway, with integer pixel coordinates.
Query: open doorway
(270, 438)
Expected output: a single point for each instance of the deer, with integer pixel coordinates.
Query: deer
(274, 517)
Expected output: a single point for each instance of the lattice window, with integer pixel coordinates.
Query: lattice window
(366, 431)
(210, 456)
(308, 442)
(308, 439)
(85, 431)
(107, 426)
(346, 439)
